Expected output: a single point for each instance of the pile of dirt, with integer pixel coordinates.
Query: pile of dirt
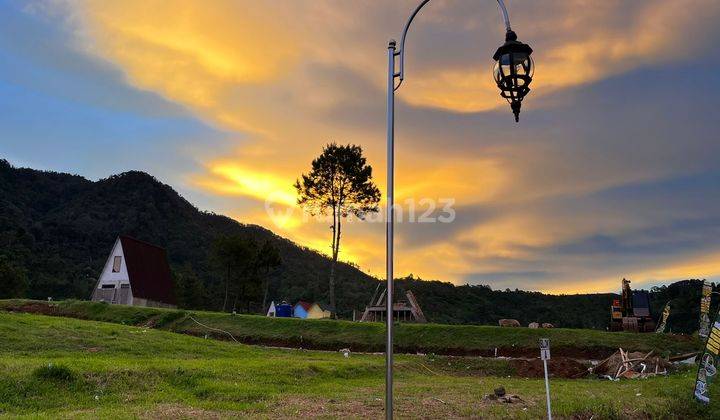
(499, 395)
(632, 365)
(558, 367)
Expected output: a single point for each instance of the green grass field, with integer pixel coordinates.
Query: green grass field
(54, 367)
(368, 337)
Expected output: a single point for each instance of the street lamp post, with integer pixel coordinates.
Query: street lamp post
(513, 73)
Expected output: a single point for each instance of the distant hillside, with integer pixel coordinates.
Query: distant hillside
(59, 228)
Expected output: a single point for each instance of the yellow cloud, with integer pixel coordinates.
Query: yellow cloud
(198, 54)
(467, 180)
(189, 51)
(589, 42)
(232, 179)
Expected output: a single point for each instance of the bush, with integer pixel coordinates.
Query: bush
(53, 372)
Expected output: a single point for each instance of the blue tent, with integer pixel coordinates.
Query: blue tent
(284, 310)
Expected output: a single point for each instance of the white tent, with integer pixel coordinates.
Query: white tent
(271, 310)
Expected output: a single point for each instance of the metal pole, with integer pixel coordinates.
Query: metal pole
(547, 389)
(390, 214)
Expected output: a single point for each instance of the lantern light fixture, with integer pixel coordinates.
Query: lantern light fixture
(513, 71)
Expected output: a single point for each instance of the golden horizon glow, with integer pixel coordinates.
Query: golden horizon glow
(702, 267)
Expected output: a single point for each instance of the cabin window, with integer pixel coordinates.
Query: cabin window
(125, 286)
(116, 264)
(108, 286)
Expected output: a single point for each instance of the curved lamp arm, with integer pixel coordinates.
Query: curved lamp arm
(401, 51)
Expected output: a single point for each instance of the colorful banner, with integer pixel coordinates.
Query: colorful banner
(705, 309)
(663, 320)
(708, 365)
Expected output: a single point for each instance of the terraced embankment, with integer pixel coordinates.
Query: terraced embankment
(466, 340)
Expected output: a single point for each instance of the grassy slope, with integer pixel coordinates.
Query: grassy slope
(123, 371)
(334, 335)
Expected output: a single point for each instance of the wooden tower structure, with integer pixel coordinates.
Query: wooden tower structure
(403, 310)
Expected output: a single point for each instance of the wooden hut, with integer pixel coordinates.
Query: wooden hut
(403, 311)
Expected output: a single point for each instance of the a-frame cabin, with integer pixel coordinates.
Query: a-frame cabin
(136, 273)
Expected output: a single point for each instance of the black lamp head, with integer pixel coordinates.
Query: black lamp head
(513, 71)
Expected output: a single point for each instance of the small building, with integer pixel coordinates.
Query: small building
(307, 310)
(136, 273)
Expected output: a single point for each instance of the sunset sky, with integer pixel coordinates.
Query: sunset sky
(612, 171)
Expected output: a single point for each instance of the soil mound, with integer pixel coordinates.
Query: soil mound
(632, 365)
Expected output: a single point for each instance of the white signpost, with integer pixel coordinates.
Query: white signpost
(545, 356)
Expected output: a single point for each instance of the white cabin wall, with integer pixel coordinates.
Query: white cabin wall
(108, 277)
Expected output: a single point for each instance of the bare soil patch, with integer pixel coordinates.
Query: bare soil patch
(587, 353)
(176, 411)
(37, 308)
(314, 407)
(558, 367)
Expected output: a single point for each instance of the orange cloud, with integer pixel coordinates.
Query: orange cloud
(197, 55)
(234, 179)
(189, 52)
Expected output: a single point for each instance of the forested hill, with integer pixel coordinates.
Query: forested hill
(57, 229)
(60, 229)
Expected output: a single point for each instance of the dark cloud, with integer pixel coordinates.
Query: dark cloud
(667, 222)
(418, 235)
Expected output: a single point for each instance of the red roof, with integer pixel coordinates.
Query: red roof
(148, 270)
(305, 305)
